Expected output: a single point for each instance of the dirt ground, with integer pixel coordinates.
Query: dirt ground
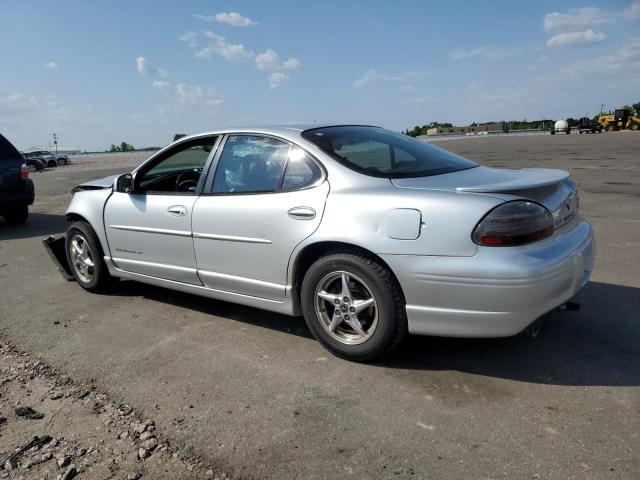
(249, 394)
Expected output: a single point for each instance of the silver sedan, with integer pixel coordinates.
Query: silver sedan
(369, 234)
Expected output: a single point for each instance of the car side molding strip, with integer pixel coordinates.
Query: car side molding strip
(230, 238)
(163, 231)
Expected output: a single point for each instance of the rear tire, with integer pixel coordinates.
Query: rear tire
(16, 215)
(86, 258)
(363, 324)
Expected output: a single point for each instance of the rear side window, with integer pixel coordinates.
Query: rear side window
(382, 153)
(300, 172)
(8, 151)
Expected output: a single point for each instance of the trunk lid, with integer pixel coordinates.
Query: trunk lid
(548, 187)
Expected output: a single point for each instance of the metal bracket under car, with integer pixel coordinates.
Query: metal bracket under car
(57, 251)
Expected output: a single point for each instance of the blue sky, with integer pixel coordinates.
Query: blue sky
(102, 72)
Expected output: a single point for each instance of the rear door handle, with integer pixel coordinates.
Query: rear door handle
(302, 213)
(177, 211)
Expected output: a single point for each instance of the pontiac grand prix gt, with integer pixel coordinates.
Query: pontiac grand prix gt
(367, 233)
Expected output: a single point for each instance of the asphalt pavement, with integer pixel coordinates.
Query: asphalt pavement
(252, 392)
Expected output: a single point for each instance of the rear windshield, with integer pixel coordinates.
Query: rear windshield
(8, 151)
(382, 153)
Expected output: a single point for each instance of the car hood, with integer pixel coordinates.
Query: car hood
(106, 182)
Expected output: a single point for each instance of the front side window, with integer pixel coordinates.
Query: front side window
(382, 153)
(250, 163)
(178, 170)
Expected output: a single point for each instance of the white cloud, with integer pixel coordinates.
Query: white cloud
(234, 52)
(576, 38)
(189, 38)
(484, 52)
(270, 60)
(276, 78)
(160, 84)
(234, 19)
(576, 18)
(51, 65)
(373, 75)
(231, 18)
(18, 102)
(623, 61)
(633, 12)
(144, 68)
(199, 96)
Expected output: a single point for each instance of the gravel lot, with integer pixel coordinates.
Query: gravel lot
(249, 393)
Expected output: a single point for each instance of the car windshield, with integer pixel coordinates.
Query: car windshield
(382, 153)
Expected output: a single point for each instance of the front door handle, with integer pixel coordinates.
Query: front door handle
(177, 211)
(302, 213)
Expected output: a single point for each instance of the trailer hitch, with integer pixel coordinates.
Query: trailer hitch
(57, 251)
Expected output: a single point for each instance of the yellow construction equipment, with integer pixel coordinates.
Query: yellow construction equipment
(621, 119)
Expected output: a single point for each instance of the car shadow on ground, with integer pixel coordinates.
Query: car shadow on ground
(249, 315)
(597, 346)
(37, 225)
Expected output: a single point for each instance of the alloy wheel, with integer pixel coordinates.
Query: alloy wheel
(346, 308)
(81, 258)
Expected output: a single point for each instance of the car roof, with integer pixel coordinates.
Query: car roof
(278, 130)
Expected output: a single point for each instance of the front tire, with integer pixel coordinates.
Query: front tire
(353, 306)
(85, 257)
(16, 215)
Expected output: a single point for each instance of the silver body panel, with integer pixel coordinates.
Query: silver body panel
(243, 247)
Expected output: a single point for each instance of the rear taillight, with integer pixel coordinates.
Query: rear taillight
(24, 171)
(514, 223)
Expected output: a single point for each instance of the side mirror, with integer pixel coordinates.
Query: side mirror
(124, 183)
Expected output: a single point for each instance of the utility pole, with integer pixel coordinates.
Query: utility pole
(602, 105)
(55, 141)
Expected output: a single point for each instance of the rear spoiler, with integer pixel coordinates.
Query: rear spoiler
(530, 178)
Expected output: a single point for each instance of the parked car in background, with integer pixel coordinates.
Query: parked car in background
(16, 188)
(46, 157)
(62, 159)
(368, 233)
(587, 125)
(33, 164)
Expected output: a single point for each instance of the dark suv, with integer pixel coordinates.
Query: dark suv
(16, 189)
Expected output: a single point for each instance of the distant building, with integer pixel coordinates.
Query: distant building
(475, 129)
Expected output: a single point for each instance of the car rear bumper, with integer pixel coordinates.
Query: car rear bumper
(18, 197)
(498, 292)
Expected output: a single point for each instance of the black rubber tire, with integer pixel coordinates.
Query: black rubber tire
(16, 215)
(101, 277)
(392, 319)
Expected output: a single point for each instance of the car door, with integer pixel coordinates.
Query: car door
(265, 198)
(149, 229)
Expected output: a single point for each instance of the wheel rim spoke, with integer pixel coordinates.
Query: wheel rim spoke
(335, 321)
(329, 297)
(346, 293)
(362, 305)
(354, 323)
